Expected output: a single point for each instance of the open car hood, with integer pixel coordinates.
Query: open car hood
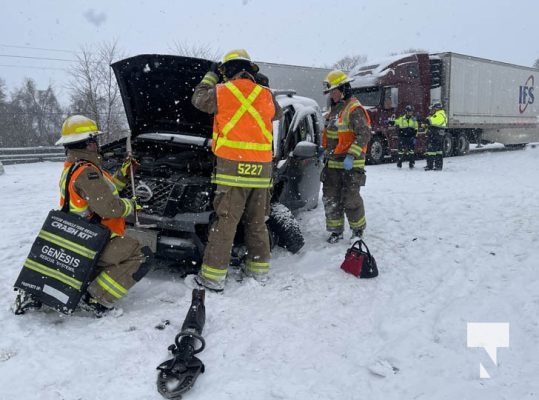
(156, 91)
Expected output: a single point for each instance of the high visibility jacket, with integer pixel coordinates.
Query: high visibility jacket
(438, 119)
(346, 137)
(79, 205)
(407, 125)
(242, 125)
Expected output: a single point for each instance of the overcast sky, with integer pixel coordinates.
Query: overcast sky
(303, 32)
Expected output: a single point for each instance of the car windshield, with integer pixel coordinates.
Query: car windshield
(368, 96)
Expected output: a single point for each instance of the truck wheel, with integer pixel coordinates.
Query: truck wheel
(462, 145)
(375, 152)
(447, 145)
(284, 228)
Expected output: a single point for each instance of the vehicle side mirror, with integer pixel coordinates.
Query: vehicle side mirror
(305, 149)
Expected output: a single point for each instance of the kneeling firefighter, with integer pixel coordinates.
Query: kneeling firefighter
(93, 194)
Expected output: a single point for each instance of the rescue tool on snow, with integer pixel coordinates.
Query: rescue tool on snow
(178, 374)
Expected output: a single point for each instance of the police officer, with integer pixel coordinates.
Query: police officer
(407, 126)
(243, 145)
(437, 121)
(345, 138)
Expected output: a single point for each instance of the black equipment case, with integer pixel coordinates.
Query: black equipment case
(60, 264)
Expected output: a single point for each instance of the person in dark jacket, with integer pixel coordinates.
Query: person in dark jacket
(407, 126)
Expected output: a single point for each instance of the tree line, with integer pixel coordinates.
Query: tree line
(33, 117)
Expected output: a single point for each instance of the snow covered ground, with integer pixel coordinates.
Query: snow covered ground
(453, 247)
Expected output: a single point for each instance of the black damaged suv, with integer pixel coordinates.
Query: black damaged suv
(171, 139)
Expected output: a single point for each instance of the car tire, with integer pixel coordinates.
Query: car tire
(284, 228)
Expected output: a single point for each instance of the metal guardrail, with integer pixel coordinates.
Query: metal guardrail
(20, 155)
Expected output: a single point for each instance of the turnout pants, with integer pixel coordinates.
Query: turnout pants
(434, 153)
(406, 150)
(340, 195)
(232, 204)
(118, 269)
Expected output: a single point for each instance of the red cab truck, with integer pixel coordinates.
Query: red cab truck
(484, 100)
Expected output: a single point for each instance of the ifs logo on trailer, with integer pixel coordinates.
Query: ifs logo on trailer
(526, 96)
(490, 336)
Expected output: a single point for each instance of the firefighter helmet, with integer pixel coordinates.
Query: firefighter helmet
(239, 55)
(76, 129)
(334, 79)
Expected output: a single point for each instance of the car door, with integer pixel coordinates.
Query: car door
(299, 167)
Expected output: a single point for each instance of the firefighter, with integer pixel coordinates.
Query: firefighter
(437, 121)
(94, 194)
(407, 125)
(345, 138)
(243, 145)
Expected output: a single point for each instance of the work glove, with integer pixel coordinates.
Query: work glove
(214, 67)
(348, 163)
(129, 164)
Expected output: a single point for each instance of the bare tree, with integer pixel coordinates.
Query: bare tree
(347, 63)
(196, 50)
(94, 91)
(35, 116)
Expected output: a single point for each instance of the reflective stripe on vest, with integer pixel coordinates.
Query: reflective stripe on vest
(78, 204)
(242, 129)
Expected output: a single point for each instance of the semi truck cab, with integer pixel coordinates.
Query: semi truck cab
(385, 88)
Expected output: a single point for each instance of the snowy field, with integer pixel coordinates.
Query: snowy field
(453, 247)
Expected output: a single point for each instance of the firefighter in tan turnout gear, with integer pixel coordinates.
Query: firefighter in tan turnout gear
(345, 139)
(94, 194)
(243, 145)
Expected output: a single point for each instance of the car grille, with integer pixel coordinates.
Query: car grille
(166, 197)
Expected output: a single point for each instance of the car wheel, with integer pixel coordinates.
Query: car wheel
(284, 228)
(375, 151)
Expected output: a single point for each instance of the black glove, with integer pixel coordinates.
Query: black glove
(214, 67)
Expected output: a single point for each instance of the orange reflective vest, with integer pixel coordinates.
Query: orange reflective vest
(79, 205)
(344, 133)
(242, 125)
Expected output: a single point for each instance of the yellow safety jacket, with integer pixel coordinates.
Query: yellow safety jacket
(438, 119)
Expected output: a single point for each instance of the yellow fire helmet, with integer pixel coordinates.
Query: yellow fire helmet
(76, 129)
(239, 54)
(334, 79)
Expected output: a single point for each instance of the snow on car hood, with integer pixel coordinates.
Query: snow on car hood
(156, 91)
